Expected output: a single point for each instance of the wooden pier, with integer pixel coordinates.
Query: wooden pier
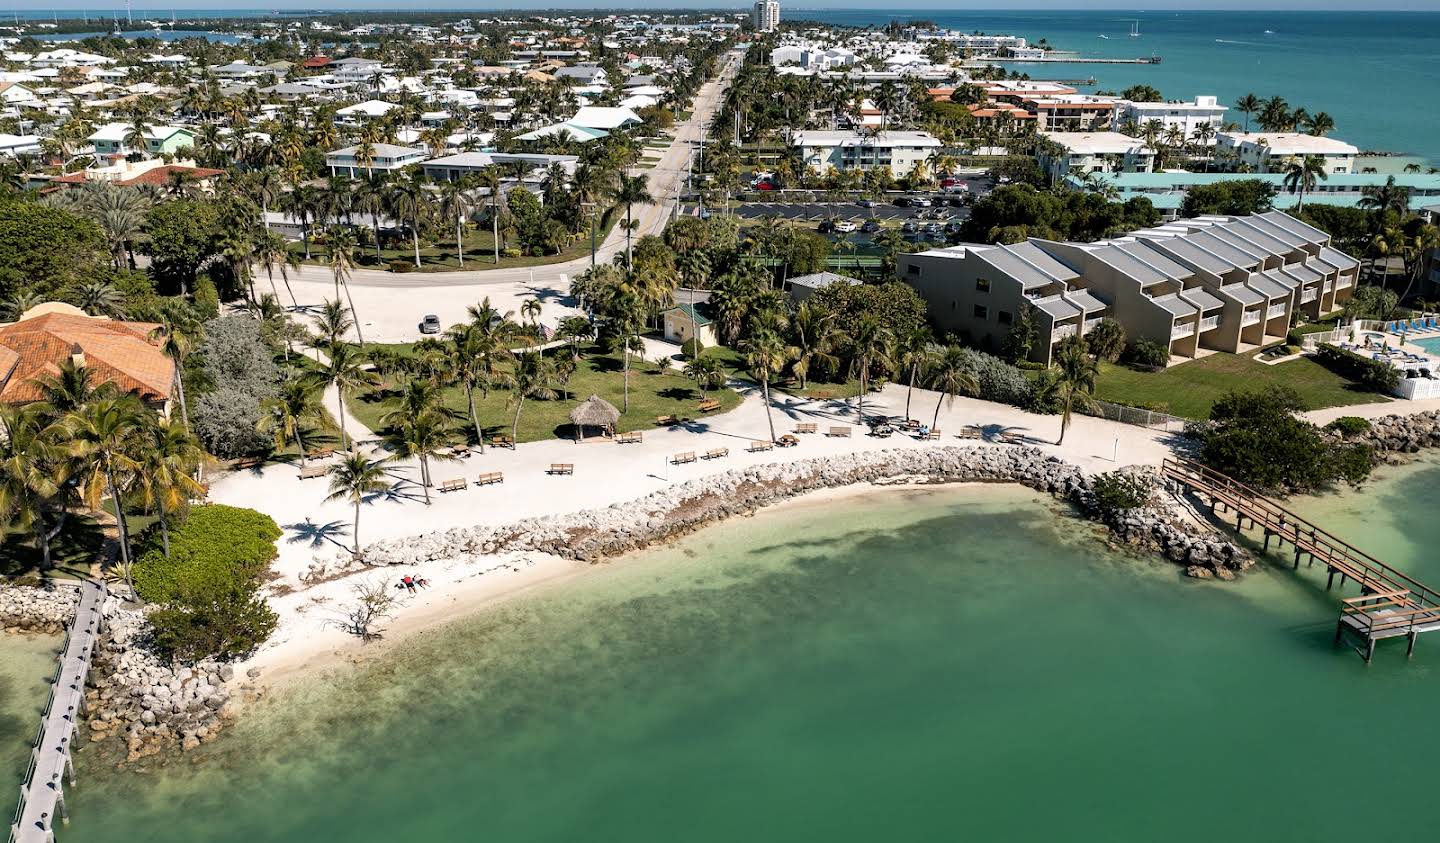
(1391, 604)
(42, 792)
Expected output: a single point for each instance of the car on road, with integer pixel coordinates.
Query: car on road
(845, 226)
(866, 203)
(902, 202)
(871, 226)
(920, 202)
(430, 324)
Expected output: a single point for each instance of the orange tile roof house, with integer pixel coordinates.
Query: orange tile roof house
(118, 352)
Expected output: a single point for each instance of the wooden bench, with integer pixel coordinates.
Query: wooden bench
(502, 442)
(709, 405)
(666, 421)
(807, 427)
(247, 463)
(838, 431)
(760, 445)
(683, 457)
(716, 453)
(1012, 438)
(561, 468)
(970, 431)
(933, 435)
(456, 485)
(310, 471)
(321, 453)
(632, 438)
(489, 478)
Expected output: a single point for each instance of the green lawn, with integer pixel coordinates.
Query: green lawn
(652, 394)
(1189, 389)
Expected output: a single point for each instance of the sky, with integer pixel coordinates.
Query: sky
(103, 8)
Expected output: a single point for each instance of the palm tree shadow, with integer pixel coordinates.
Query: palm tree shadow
(308, 532)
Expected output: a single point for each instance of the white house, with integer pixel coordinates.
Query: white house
(1096, 152)
(368, 110)
(13, 145)
(1185, 116)
(608, 119)
(66, 57)
(384, 158)
(1266, 152)
(900, 151)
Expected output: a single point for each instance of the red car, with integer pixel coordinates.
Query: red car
(764, 185)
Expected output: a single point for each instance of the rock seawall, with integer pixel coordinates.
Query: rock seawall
(592, 535)
(33, 609)
(1401, 434)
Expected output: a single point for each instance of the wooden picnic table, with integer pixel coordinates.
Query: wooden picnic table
(489, 478)
(1010, 438)
(787, 441)
(321, 453)
(561, 468)
(666, 421)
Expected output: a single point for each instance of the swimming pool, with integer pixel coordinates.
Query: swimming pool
(1430, 344)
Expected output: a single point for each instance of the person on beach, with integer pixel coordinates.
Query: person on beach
(409, 583)
(422, 582)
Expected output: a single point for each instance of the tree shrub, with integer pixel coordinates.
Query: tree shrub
(398, 265)
(692, 347)
(1374, 375)
(238, 372)
(224, 421)
(1146, 352)
(1348, 426)
(1106, 340)
(999, 381)
(1117, 491)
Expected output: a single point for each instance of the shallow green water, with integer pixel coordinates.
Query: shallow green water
(26, 664)
(964, 663)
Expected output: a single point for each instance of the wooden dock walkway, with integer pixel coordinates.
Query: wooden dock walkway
(42, 793)
(1391, 603)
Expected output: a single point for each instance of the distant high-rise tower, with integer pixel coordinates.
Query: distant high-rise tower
(766, 15)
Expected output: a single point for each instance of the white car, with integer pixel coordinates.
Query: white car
(845, 226)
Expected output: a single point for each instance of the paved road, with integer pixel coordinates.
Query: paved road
(665, 181)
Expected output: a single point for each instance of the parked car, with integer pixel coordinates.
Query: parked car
(871, 226)
(955, 187)
(903, 202)
(826, 227)
(866, 203)
(765, 185)
(909, 227)
(934, 228)
(845, 226)
(430, 324)
(920, 202)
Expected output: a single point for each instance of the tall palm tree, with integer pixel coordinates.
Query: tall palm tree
(179, 333)
(1320, 123)
(347, 372)
(532, 378)
(168, 457)
(1303, 175)
(302, 203)
(423, 437)
(951, 373)
(913, 353)
(285, 415)
(332, 322)
(272, 253)
(372, 197)
(766, 354)
(342, 264)
(632, 190)
(1074, 380)
(31, 472)
(103, 436)
(354, 478)
(411, 202)
(813, 333)
(457, 200)
(871, 346)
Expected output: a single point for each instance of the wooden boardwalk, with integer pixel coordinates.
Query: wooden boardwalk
(42, 793)
(1391, 604)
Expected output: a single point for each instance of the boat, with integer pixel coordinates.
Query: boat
(1106, 37)
(1135, 29)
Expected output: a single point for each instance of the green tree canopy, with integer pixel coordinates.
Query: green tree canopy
(43, 250)
(183, 233)
(1238, 197)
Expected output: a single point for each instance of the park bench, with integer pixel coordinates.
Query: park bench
(310, 471)
(683, 457)
(321, 453)
(632, 438)
(761, 445)
(709, 405)
(933, 435)
(716, 453)
(807, 427)
(502, 442)
(1012, 438)
(455, 485)
(490, 477)
(247, 463)
(666, 421)
(843, 430)
(970, 431)
(561, 468)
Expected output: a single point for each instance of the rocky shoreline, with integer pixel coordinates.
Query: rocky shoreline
(1400, 434)
(34, 609)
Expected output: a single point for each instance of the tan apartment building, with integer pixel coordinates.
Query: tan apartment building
(1206, 284)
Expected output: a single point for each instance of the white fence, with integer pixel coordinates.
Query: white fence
(1151, 419)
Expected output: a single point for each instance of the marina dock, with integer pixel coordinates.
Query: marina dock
(42, 791)
(1391, 604)
(1074, 60)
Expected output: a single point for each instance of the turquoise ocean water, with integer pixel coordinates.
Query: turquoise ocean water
(1370, 70)
(962, 663)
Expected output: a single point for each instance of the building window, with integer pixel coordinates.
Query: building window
(1003, 317)
(982, 285)
(981, 311)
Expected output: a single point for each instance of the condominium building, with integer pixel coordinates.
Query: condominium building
(1270, 152)
(1196, 285)
(900, 151)
(1184, 117)
(765, 16)
(1095, 152)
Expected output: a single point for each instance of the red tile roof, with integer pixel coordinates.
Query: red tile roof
(121, 352)
(158, 176)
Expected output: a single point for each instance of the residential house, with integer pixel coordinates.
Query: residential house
(384, 158)
(113, 139)
(1182, 117)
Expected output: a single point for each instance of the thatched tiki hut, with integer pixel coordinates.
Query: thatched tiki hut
(594, 412)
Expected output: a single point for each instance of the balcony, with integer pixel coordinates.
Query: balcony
(1063, 331)
(1181, 331)
(1344, 282)
(1251, 317)
(1310, 295)
(1091, 323)
(1275, 310)
(1209, 323)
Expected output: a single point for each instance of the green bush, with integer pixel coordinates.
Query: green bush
(402, 266)
(1117, 491)
(1294, 337)
(1257, 438)
(1371, 374)
(1106, 340)
(210, 621)
(1349, 426)
(1146, 352)
(692, 347)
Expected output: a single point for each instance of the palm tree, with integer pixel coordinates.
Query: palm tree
(99, 298)
(168, 458)
(301, 203)
(626, 319)
(342, 264)
(352, 479)
(766, 354)
(284, 416)
(456, 202)
(632, 190)
(707, 371)
(345, 371)
(411, 201)
(533, 374)
(424, 436)
(31, 472)
(103, 436)
(812, 332)
(1248, 105)
(871, 346)
(71, 387)
(951, 373)
(913, 352)
(1303, 175)
(272, 253)
(1383, 199)
(332, 322)
(372, 197)
(1074, 380)
(574, 329)
(179, 333)
(1320, 123)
